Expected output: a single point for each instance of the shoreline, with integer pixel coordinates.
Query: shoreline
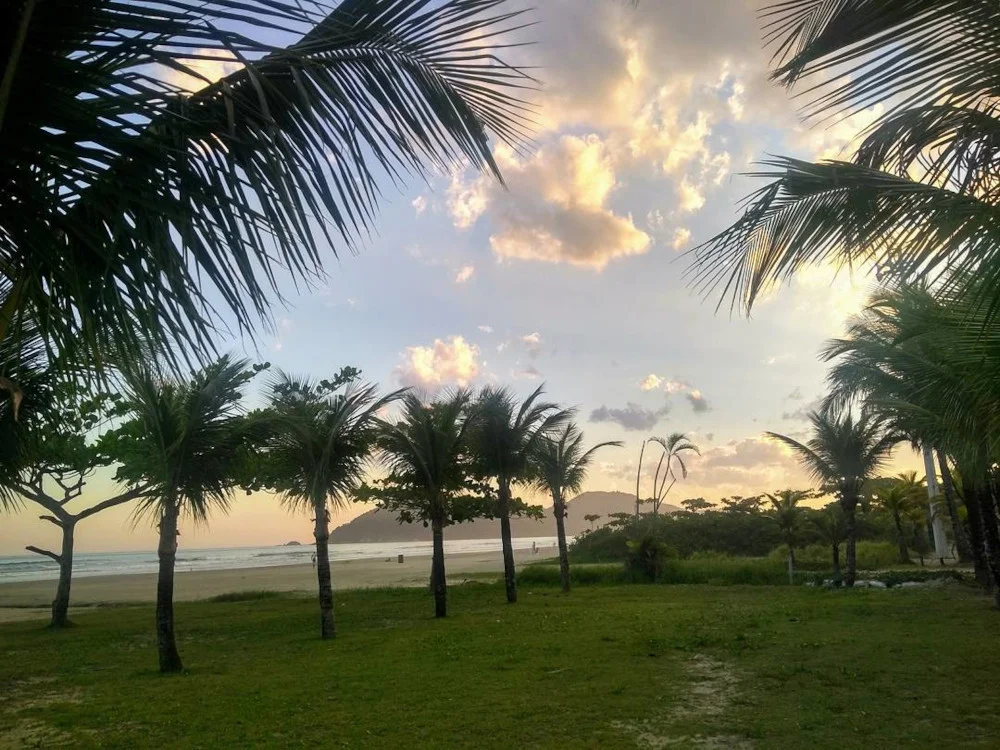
(30, 600)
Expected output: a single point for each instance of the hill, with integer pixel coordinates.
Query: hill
(380, 526)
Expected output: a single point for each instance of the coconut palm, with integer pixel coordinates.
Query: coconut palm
(138, 183)
(674, 447)
(504, 439)
(426, 452)
(843, 452)
(919, 196)
(320, 437)
(182, 442)
(560, 468)
(788, 516)
(831, 527)
(900, 499)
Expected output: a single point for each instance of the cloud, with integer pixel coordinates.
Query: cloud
(485, 329)
(698, 402)
(554, 209)
(451, 362)
(651, 382)
(681, 238)
(532, 344)
(689, 196)
(775, 359)
(210, 64)
(528, 373)
(795, 395)
(750, 465)
(464, 274)
(633, 417)
(655, 220)
(420, 204)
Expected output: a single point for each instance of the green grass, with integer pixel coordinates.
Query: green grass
(604, 667)
(246, 596)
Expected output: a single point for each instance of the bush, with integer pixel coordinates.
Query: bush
(871, 556)
(646, 559)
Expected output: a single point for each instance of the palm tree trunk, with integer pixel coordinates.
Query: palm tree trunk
(977, 537)
(60, 606)
(327, 628)
(438, 581)
(170, 660)
(559, 509)
(509, 572)
(979, 493)
(962, 546)
(791, 566)
(852, 545)
(904, 556)
(836, 561)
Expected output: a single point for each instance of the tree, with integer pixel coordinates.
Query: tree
(844, 452)
(430, 476)
(560, 467)
(318, 441)
(64, 454)
(674, 447)
(504, 438)
(591, 518)
(918, 199)
(696, 504)
(831, 527)
(787, 515)
(739, 504)
(184, 442)
(900, 499)
(207, 194)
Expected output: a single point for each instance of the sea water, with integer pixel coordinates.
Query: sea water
(38, 568)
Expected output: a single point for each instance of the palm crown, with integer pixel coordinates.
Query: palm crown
(561, 463)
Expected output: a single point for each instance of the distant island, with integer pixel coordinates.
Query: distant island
(380, 526)
(292, 544)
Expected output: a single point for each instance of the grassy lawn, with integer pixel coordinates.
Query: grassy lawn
(607, 667)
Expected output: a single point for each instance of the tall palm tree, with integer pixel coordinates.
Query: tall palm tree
(843, 452)
(787, 514)
(183, 442)
(919, 197)
(505, 435)
(674, 447)
(137, 187)
(320, 437)
(427, 453)
(560, 468)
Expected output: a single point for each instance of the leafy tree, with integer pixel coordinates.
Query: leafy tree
(430, 478)
(560, 467)
(319, 439)
(207, 194)
(184, 444)
(673, 447)
(740, 504)
(844, 452)
(696, 504)
(591, 518)
(788, 516)
(504, 439)
(62, 458)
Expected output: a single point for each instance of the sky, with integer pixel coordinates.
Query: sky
(572, 276)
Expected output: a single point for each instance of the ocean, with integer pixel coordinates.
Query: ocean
(38, 568)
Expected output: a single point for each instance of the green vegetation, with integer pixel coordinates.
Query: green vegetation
(768, 668)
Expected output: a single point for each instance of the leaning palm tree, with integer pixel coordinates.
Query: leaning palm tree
(560, 467)
(183, 442)
(319, 439)
(162, 162)
(674, 447)
(787, 514)
(505, 435)
(919, 196)
(427, 454)
(844, 452)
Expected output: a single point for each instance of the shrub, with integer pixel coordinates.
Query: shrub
(646, 559)
(246, 596)
(542, 574)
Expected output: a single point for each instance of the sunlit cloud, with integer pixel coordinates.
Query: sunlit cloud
(451, 362)
(464, 274)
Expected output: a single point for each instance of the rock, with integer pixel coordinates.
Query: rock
(877, 585)
(913, 584)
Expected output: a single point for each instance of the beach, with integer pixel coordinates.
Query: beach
(26, 600)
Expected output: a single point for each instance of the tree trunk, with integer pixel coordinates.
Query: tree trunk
(836, 561)
(852, 545)
(170, 660)
(559, 509)
(60, 606)
(438, 581)
(321, 531)
(979, 491)
(791, 566)
(962, 546)
(977, 537)
(509, 572)
(904, 556)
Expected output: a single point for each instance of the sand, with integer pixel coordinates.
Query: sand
(27, 600)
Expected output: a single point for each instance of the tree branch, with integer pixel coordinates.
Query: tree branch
(125, 497)
(40, 551)
(52, 519)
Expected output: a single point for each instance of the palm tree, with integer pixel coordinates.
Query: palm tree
(427, 454)
(674, 446)
(831, 526)
(560, 467)
(130, 200)
(899, 499)
(505, 436)
(183, 442)
(320, 437)
(787, 514)
(919, 197)
(844, 452)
